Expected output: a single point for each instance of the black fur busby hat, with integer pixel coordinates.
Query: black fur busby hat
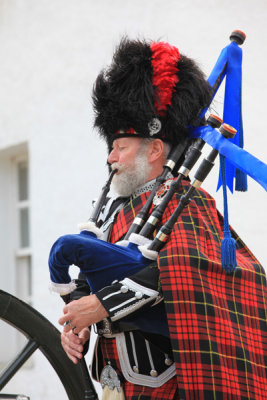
(150, 90)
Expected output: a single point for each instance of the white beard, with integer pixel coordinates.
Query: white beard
(131, 177)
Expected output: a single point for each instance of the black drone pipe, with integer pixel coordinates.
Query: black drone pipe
(202, 172)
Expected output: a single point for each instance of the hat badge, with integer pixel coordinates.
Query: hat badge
(154, 126)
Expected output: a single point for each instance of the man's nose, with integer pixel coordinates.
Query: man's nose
(113, 157)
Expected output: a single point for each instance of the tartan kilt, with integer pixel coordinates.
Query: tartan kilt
(168, 391)
(217, 321)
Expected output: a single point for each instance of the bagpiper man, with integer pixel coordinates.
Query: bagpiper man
(181, 328)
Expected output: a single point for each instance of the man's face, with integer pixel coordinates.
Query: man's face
(129, 156)
(124, 151)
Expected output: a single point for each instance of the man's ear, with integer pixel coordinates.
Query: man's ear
(156, 150)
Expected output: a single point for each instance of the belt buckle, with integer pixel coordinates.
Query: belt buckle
(104, 328)
(109, 377)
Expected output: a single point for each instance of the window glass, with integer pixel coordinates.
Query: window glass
(23, 181)
(24, 227)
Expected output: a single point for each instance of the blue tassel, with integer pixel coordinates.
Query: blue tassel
(228, 252)
(228, 245)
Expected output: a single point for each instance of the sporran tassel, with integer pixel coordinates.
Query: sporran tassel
(109, 394)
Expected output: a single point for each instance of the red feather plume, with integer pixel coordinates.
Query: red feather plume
(164, 63)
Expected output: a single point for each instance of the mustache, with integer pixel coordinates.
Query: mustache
(118, 166)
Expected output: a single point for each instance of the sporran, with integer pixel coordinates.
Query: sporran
(110, 383)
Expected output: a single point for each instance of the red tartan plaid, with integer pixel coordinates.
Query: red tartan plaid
(167, 391)
(217, 321)
(126, 216)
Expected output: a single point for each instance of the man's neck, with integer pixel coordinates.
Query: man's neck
(147, 186)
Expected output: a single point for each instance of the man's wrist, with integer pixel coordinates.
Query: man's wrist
(125, 297)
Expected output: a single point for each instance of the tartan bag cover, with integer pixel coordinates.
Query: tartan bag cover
(217, 321)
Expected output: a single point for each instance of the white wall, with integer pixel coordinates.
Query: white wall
(51, 52)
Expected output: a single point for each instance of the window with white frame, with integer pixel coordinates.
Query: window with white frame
(23, 253)
(15, 239)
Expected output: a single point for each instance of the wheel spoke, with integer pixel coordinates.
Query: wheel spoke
(44, 336)
(20, 359)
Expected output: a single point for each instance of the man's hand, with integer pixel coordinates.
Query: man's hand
(73, 344)
(82, 313)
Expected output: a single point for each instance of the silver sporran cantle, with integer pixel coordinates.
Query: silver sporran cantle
(111, 385)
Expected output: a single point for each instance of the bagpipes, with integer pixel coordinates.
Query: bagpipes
(102, 262)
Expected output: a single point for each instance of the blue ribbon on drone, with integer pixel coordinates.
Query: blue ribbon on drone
(239, 157)
(229, 65)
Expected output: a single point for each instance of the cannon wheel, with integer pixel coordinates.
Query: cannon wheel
(42, 335)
